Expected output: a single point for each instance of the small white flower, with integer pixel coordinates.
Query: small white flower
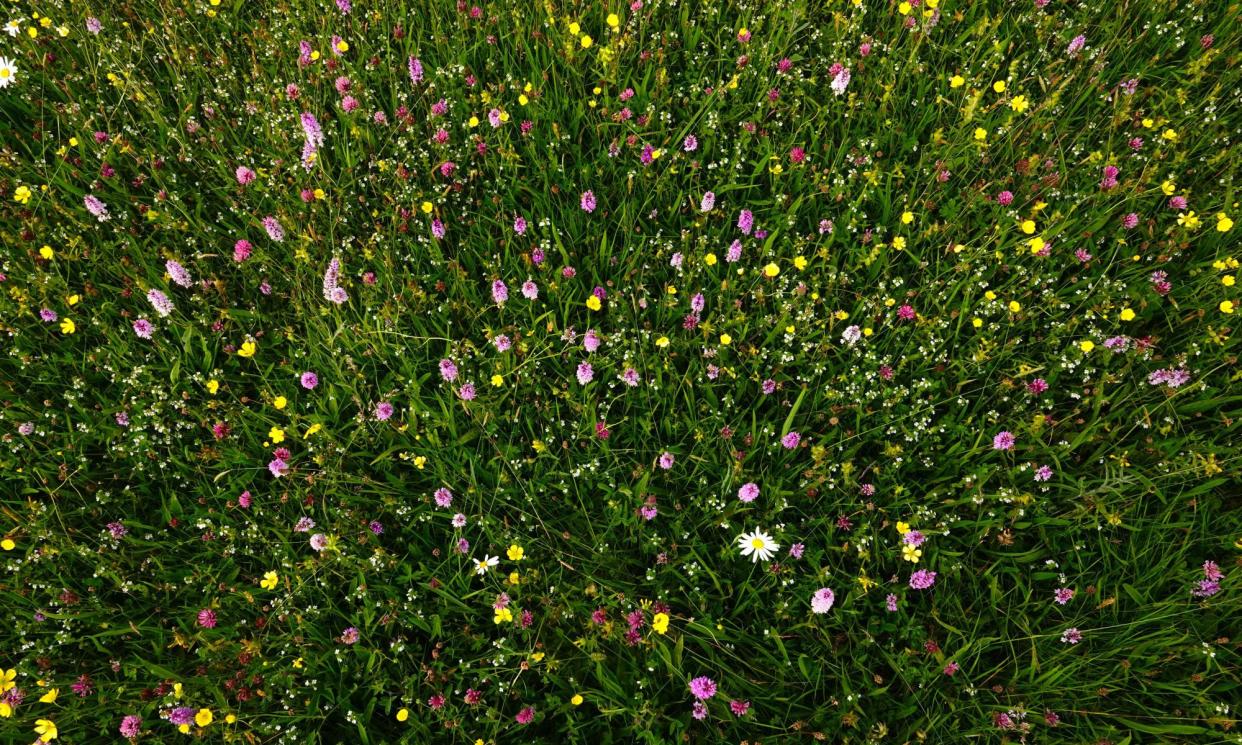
(481, 567)
(12, 27)
(8, 71)
(757, 545)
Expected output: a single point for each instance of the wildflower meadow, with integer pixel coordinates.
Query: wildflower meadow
(627, 371)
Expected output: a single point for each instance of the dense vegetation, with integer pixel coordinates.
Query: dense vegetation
(670, 371)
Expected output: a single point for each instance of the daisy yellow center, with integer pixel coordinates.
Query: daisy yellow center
(4, 72)
(756, 542)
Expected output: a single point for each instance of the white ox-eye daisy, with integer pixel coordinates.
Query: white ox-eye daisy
(758, 545)
(481, 567)
(8, 71)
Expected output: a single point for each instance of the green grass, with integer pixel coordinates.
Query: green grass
(102, 427)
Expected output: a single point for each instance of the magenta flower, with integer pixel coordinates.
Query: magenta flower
(588, 201)
(1003, 440)
(207, 618)
(791, 440)
(745, 221)
(922, 579)
(383, 411)
(585, 373)
(749, 492)
(178, 273)
(500, 292)
(309, 380)
(448, 370)
(273, 228)
(703, 687)
(131, 725)
(526, 715)
(822, 600)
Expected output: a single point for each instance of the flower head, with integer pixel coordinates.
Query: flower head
(758, 545)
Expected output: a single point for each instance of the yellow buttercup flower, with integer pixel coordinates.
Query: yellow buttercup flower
(1028, 227)
(614, 20)
(403, 714)
(8, 544)
(907, 217)
(662, 341)
(1226, 306)
(276, 435)
(1127, 314)
(771, 270)
(899, 243)
(659, 623)
(21, 194)
(726, 340)
(203, 717)
(280, 402)
(213, 386)
(1086, 346)
(902, 527)
(47, 253)
(46, 730)
(1223, 223)
(50, 696)
(269, 581)
(1014, 306)
(576, 700)
(999, 86)
(67, 326)
(1019, 104)
(515, 552)
(957, 81)
(503, 615)
(710, 259)
(247, 349)
(498, 381)
(593, 303)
